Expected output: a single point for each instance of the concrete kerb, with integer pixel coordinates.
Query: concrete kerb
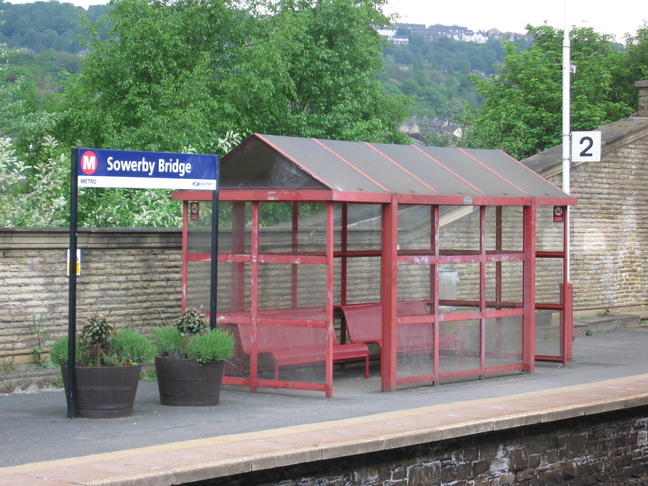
(328, 440)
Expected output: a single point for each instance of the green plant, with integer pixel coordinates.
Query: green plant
(7, 361)
(191, 339)
(96, 333)
(99, 344)
(168, 342)
(132, 346)
(191, 322)
(590, 332)
(604, 313)
(38, 351)
(214, 345)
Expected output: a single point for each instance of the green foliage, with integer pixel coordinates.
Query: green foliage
(169, 75)
(131, 346)
(40, 26)
(523, 109)
(100, 345)
(212, 346)
(97, 332)
(434, 74)
(190, 339)
(191, 322)
(7, 364)
(59, 351)
(41, 335)
(168, 342)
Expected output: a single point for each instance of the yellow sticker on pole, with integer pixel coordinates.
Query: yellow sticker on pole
(78, 262)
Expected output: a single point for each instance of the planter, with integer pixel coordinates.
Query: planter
(187, 383)
(104, 391)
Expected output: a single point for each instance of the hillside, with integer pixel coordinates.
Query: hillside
(434, 73)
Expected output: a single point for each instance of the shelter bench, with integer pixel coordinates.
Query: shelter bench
(363, 323)
(296, 345)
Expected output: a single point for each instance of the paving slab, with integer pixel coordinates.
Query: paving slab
(252, 431)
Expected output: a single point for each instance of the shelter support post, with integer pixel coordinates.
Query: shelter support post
(529, 295)
(330, 334)
(388, 295)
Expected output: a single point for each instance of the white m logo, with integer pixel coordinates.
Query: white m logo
(89, 163)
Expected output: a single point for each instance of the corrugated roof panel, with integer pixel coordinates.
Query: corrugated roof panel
(518, 174)
(441, 179)
(382, 171)
(488, 182)
(314, 157)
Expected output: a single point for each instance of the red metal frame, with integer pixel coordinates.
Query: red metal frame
(391, 258)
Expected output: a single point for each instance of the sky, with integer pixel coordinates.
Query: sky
(604, 16)
(616, 17)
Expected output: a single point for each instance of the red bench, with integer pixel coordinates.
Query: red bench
(363, 323)
(293, 345)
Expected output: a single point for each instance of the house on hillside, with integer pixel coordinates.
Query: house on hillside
(609, 254)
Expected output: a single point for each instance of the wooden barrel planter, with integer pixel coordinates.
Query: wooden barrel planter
(187, 383)
(104, 391)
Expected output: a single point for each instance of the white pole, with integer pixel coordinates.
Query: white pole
(566, 132)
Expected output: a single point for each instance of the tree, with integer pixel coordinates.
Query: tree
(172, 74)
(523, 102)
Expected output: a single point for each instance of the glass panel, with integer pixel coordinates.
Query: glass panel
(234, 227)
(459, 228)
(311, 236)
(504, 284)
(282, 285)
(239, 364)
(198, 283)
(504, 228)
(414, 341)
(298, 352)
(414, 227)
(459, 348)
(414, 282)
(362, 280)
(461, 279)
(548, 333)
(289, 353)
(549, 278)
(504, 343)
(549, 234)
(199, 227)
(364, 227)
(233, 286)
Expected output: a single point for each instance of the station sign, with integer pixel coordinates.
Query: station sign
(586, 146)
(146, 170)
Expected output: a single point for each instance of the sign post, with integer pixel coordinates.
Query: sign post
(134, 170)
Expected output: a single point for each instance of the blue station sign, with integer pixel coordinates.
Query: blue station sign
(146, 170)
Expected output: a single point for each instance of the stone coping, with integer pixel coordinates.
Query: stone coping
(201, 459)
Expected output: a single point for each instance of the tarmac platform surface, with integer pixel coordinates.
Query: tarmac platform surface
(252, 431)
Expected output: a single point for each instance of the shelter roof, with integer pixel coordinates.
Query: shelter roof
(279, 162)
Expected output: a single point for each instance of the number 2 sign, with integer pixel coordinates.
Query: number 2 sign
(586, 147)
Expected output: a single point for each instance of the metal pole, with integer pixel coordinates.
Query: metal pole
(70, 393)
(214, 255)
(566, 132)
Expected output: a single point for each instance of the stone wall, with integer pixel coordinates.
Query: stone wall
(608, 448)
(610, 230)
(130, 275)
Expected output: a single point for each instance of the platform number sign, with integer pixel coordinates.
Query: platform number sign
(586, 147)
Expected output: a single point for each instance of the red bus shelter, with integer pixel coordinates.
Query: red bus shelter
(438, 263)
